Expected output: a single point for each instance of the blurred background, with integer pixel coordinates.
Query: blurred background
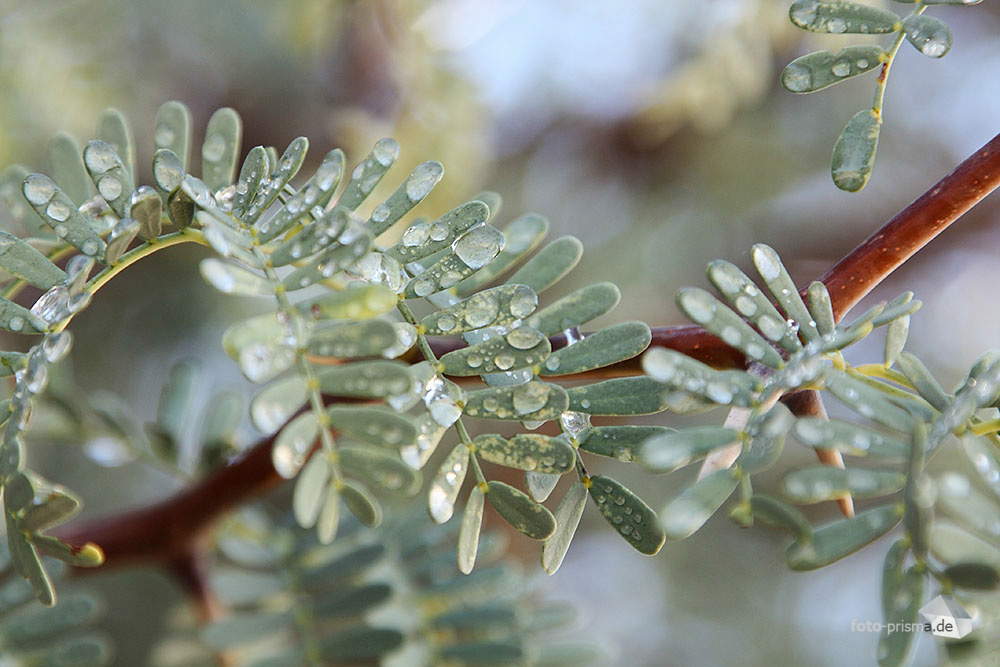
(653, 130)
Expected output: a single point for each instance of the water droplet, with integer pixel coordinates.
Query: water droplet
(481, 309)
(381, 212)
(863, 64)
(719, 393)
(524, 338)
(61, 231)
(57, 210)
(530, 397)
(503, 361)
(56, 346)
(100, 157)
(523, 301)
(478, 247)
(804, 13)
(797, 78)
(446, 322)
(52, 306)
(836, 25)
(214, 147)
(422, 180)
(449, 279)
(439, 231)
(574, 422)
(767, 263)
(746, 305)
(109, 452)
(386, 151)
(39, 189)
(773, 328)
(416, 235)
(730, 335)
(424, 286)
(841, 68)
(16, 323)
(698, 306)
(552, 363)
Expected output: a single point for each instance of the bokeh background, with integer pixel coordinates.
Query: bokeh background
(653, 130)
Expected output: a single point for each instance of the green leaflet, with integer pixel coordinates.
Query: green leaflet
(549, 266)
(17, 319)
(953, 546)
(684, 515)
(984, 459)
(11, 193)
(423, 239)
(233, 279)
(576, 308)
(368, 379)
(850, 439)
(277, 402)
(841, 538)
(368, 173)
(360, 644)
(168, 172)
(691, 386)
(315, 236)
(28, 564)
(781, 285)
(282, 172)
(528, 451)
(767, 437)
(522, 347)
(411, 192)
(821, 69)
(66, 163)
(821, 308)
(220, 151)
(818, 483)
(146, 208)
(380, 468)
(254, 169)
(367, 338)
(902, 599)
(674, 450)
(361, 503)
(523, 235)
(534, 401)
(868, 401)
(377, 426)
(959, 499)
(90, 555)
(904, 304)
(173, 130)
(355, 303)
(567, 517)
(895, 339)
(53, 505)
(20, 259)
(744, 296)
(619, 396)
(842, 17)
(628, 514)
(31, 629)
(239, 630)
(337, 257)
(468, 534)
(928, 34)
(482, 653)
(353, 601)
(172, 411)
(114, 129)
(497, 306)
(59, 213)
(520, 511)
(471, 252)
(293, 444)
(317, 192)
(311, 490)
(447, 484)
(776, 512)
(976, 576)
(110, 174)
(618, 442)
(854, 152)
(601, 348)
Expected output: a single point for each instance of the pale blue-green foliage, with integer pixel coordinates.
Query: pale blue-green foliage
(342, 326)
(854, 152)
(31, 634)
(390, 595)
(952, 528)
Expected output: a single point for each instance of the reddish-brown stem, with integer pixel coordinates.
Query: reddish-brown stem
(166, 531)
(857, 274)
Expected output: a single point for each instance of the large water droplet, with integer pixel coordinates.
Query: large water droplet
(57, 210)
(385, 151)
(797, 78)
(422, 180)
(478, 247)
(214, 147)
(100, 157)
(531, 397)
(39, 189)
(481, 309)
(524, 338)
